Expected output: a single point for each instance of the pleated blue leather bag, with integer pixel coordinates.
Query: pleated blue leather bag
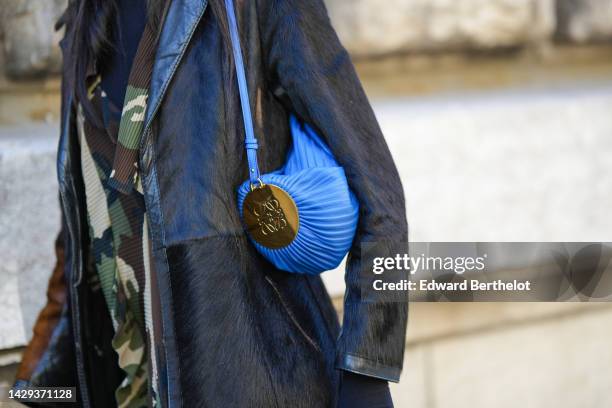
(301, 217)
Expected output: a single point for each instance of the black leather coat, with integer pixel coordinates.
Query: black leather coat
(236, 331)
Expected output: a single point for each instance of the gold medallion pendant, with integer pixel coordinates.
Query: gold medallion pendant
(271, 216)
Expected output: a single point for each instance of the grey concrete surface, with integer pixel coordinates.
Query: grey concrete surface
(7, 378)
(514, 165)
(29, 221)
(535, 359)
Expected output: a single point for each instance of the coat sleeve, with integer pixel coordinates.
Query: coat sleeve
(303, 56)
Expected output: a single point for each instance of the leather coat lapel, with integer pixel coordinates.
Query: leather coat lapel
(180, 23)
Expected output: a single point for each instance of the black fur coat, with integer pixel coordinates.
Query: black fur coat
(236, 331)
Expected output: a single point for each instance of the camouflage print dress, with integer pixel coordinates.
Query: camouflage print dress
(118, 227)
(118, 232)
(120, 248)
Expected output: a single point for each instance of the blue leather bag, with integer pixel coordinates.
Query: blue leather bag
(303, 216)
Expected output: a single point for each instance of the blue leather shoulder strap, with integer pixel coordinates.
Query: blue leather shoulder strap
(250, 141)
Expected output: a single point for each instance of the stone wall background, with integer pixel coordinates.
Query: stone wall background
(29, 42)
(374, 27)
(368, 28)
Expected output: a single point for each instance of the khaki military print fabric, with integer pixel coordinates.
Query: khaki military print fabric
(118, 226)
(119, 245)
(125, 163)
